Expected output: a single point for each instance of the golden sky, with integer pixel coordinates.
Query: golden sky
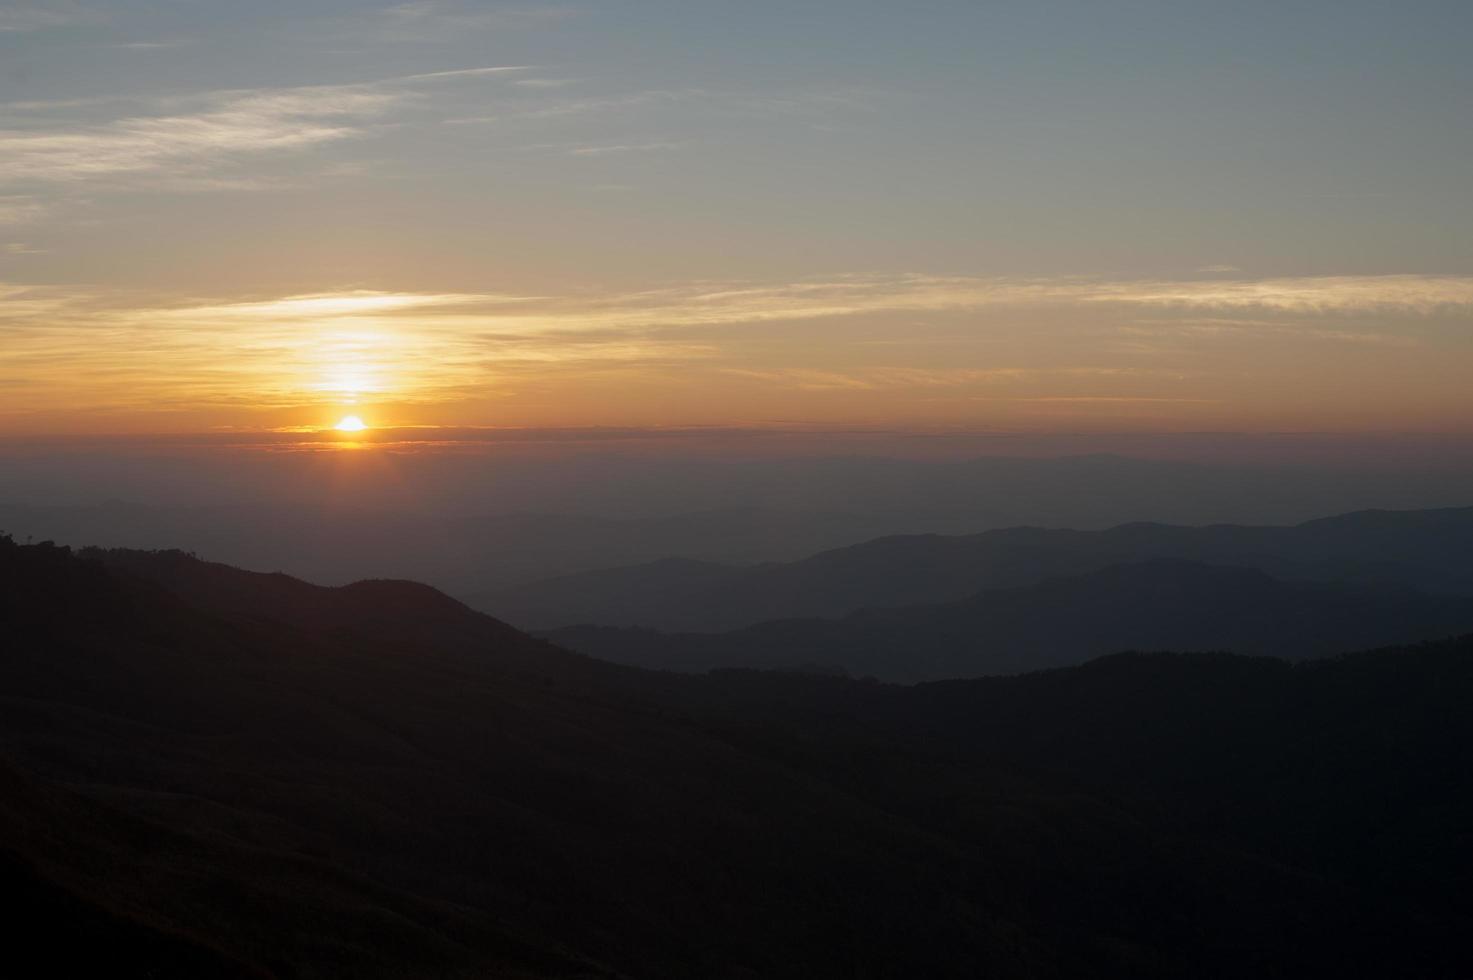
(446, 213)
(1321, 352)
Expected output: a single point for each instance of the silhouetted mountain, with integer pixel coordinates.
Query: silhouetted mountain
(1426, 550)
(471, 523)
(1157, 605)
(194, 787)
(459, 553)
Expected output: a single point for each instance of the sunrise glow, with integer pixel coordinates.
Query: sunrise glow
(543, 488)
(464, 241)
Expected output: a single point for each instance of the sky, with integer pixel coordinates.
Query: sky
(1035, 217)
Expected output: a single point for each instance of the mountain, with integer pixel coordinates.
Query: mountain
(211, 773)
(476, 522)
(1427, 550)
(1156, 605)
(461, 553)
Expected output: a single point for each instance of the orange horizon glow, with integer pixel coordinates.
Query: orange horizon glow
(198, 239)
(1367, 353)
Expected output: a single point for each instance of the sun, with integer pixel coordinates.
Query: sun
(350, 423)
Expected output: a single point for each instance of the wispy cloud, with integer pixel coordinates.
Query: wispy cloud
(241, 123)
(714, 106)
(436, 346)
(615, 149)
(1317, 294)
(353, 303)
(155, 45)
(880, 293)
(708, 303)
(714, 304)
(21, 16)
(875, 379)
(567, 107)
(443, 20)
(51, 105)
(466, 72)
(1235, 329)
(225, 126)
(545, 83)
(19, 210)
(96, 349)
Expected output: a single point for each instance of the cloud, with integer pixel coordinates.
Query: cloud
(588, 106)
(1317, 294)
(328, 305)
(23, 305)
(721, 303)
(879, 378)
(20, 17)
(234, 124)
(49, 105)
(852, 295)
(466, 72)
(224, 126)
(442, 20)
(618, 148)
(545, 82)
(725, 304)
(712, 105)
(158, 45)
(1223, 269)
(425, 346)
(121, 352)
(15, 210)
(875, 379)
(1232, 328)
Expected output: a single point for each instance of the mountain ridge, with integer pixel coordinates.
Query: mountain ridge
(1419, 549)
(1064, 620)
(299, 800)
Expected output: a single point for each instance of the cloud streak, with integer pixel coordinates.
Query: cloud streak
(17, 210)
(126, 352)
(23, 17)
(465, 73)
(622, 148)
(247, 123)
(439, 20)
(713, 304)
(1305, 295)
(227, 125)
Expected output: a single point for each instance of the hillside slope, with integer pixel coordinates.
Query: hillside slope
(307, 789)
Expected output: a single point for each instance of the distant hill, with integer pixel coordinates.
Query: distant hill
(459, 553)
(205, 772)
(1426, 550)
(1156, 605)
(478, 522)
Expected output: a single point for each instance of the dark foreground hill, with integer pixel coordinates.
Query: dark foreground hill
(1155, 605)
(1426, 550)
(210, 774)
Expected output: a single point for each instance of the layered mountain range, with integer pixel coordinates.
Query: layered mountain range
(1424, 550)
(210, 772)
(1162, 604)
